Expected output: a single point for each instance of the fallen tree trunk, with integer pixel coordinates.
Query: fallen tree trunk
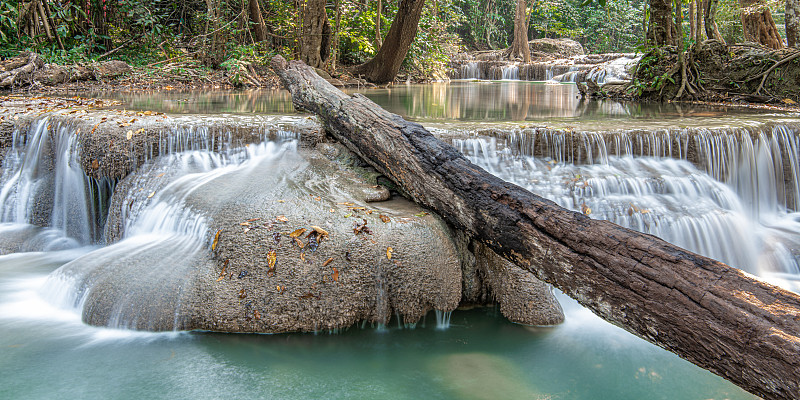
(713, 315)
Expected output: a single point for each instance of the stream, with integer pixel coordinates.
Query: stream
(720, 181)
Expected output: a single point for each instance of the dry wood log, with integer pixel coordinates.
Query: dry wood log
(19, 70)
(715, 316)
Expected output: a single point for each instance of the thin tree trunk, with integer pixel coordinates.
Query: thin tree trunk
(519, 46)
(259, 27)
(758, 25)
(792, 23)
(678, 23)
(384, 66)
(701, 19)
(335, 51)
(693, 20)
(715, 316)
(378, 38)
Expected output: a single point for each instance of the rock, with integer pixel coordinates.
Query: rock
(557, 48)
(481, 376)
(305, 292)
(52, 74)
(111, 69)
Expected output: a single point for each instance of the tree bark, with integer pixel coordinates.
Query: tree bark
(519, 46)
(312, 43)
(693, 20)
(259, 27)
(792, 23)
(678, 23)
(713, 315)
(384, 66)
(710, 23)
(758, 25)
(378, 37)
(662, 30)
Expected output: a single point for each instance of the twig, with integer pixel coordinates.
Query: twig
(171, 59)
(114, 50)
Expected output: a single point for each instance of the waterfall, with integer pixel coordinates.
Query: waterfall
(612, 71)
(469, 71)
(43, 182)
(510, 72)
(728, 203)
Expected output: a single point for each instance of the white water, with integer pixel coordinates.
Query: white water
(617, 70)
(43, 181)
(738, 222)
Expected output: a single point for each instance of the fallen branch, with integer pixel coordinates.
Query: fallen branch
(713, 315)
(772, 68)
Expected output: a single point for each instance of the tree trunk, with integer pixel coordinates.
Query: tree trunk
(710, 23)
(693, 20)
(758, 25)
(715, 316)
(519, 47)
(792, 23)
(701, 20)
(378, 37)
(678, 23)
(662, 30)
(312, 49)
(259, 27)
(385, 65)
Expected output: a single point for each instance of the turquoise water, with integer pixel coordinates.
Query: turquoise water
(48, 353)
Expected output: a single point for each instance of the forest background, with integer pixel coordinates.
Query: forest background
(223, 34)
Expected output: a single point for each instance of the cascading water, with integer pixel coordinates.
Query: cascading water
(613, 71)
(509, 72)
(737, 218)
(165, 232)
(43, 183)
(469, 71)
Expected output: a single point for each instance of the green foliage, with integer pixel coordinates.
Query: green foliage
(485, 23)
(434, 45)
(615, 27)
(556, 19)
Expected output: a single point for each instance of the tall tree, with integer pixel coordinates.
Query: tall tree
(257, 21)
(315, 39)
(758, 25)
(710, 22)
(384, 66)
(519, 47)
(662, 29)
(378, 38)
(792, 23)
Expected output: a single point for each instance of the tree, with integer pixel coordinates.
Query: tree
(384, 66)
(792, 23)
(662, 29)
(259, 27)
(758, 24)
(315, 39)
(710, 22)
(519, 47)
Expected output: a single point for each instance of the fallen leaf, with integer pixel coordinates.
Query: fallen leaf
(281, 218)
(151, 195)
(129, 135)
(385, 219)
(585, 209)
(335, 274)
(216, 240)
(321, 232)
(328, 261)
(422, 214)
(299, 243)
(272, 258)
(253, 219)
(95, 164)
(244, 223)
(297, 233)
(389, 252)
(789, 101)
(346, 204)
(242, 293)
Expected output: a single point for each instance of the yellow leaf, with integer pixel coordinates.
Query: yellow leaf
(129, 135)
(272, 258)
(585, 209)
(297, 233)
(328, 261)
(384, 218)
(151, 194)
(789, 101)
(216, 240)
(281, 218)
(389, 252)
